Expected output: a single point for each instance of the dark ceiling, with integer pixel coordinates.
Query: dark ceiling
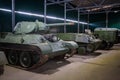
(89, 3)
(85, 5)
(96, 5)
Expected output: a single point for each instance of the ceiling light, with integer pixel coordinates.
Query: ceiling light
(40, 15)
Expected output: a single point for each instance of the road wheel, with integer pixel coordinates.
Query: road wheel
(60, 57)
(103, 45)
(90, 48)
(12, 58)
(109, 45)
(81, 50)
(25, 60)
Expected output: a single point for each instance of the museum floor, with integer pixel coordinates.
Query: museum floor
(101, 65)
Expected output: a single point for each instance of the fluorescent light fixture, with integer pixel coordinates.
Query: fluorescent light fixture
(40, 15)
(30, 14)
(7, 10)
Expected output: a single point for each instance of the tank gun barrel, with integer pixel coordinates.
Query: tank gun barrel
(37, 26)
(59, 24)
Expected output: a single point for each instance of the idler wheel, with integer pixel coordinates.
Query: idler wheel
(12, 58)
(25, 60)
(103, 45)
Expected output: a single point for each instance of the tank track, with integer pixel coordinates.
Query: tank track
(34, 52)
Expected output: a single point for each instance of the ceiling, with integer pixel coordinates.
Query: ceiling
(86, 6)
(88, 3)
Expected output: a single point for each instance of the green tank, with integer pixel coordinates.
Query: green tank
(109, 36)
(3, 61)
(87, 42)
(29, 46)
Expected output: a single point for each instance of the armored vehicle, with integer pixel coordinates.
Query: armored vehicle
(28, 46)
(109, 36)
(3, 61)
(87, 42)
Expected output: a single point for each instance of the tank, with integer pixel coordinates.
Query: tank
(87, 42)
(3, 61)
(109, 36)
(31, 45)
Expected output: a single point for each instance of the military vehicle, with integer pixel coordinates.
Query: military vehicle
(109, 36)
(87, 42)
(3, 61)
(28, 46)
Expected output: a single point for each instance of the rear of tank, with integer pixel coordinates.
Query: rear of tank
(106, 35)
(3, 61)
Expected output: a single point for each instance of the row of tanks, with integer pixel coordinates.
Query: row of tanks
(31, 44)
(102, 38)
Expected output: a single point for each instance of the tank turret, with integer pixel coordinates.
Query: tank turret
(33, 27)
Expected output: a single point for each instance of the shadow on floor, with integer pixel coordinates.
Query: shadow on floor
(53, 66)
(50, 67)
(115, 47)
(94, 54)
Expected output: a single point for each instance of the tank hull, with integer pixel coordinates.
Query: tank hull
(32, 50)
(84, 45)
(109, 37)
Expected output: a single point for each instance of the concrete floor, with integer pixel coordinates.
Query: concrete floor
(101, 65)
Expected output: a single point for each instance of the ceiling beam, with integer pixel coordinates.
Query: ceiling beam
(115, 11)
(93, 3)
(117, 4)
(102, 2)
(58, 2)
(69, 5)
